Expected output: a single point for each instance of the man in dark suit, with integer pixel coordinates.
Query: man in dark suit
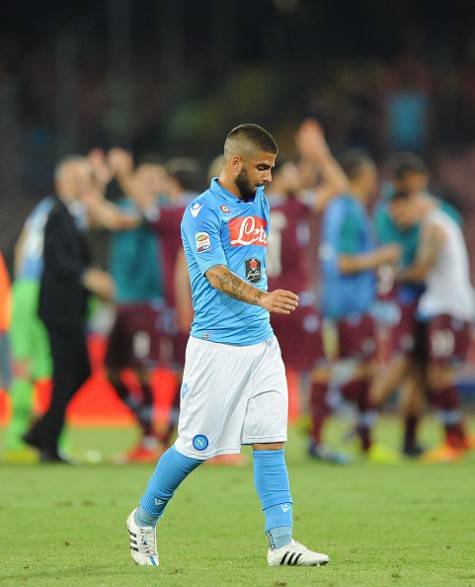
(66, 282)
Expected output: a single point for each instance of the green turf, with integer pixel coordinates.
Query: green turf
(399, 525)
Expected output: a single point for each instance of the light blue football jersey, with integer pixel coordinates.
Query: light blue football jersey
(346, 230)
(220, 229)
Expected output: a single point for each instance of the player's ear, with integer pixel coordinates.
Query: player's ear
(236, 162)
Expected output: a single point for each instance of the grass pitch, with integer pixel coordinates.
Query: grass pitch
(383, 525)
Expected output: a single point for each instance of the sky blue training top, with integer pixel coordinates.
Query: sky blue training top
(346, 230)
(220, 229)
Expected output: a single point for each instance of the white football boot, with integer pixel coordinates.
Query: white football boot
(143, 543)
(295, 553)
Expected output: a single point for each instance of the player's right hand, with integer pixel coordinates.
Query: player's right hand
(279, 301)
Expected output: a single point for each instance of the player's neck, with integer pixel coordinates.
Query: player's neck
(229, 185)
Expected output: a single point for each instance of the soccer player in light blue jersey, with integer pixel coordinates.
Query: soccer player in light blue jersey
(349, 259)
(234, 389)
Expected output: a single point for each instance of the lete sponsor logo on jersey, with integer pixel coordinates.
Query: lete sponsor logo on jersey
(203, 242)
(248, 230)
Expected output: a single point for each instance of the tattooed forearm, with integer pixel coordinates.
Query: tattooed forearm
(230, 284)
(430, 249)
(427, 257)
(226, 281)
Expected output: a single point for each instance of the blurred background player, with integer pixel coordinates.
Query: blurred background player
(349, 259)
(446, 309)
(290, 263)
(135, 342)
(407, 172)
(66, 279)
(30, 348)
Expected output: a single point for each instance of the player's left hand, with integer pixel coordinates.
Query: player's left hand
(279, 301)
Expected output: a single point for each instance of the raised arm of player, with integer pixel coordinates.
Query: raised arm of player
(432, 240)
(316, 158)
(101, 212)
(279, 301)
(101, 170)
(121, 164)
(107, 215)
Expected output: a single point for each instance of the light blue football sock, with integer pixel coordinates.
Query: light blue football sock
(272, 485)
(171, 470)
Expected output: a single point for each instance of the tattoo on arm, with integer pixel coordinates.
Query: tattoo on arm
(232, 285)
(427, 256)
(430, 248)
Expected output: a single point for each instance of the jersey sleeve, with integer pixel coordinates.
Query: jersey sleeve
(201, 235)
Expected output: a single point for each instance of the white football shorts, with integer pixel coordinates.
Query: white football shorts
(231, 395)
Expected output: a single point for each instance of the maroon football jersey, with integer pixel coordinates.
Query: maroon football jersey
(168, 229)
(289, 254)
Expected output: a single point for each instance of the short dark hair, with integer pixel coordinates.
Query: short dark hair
(251, 137)
(353, 161)
(400, 165)
(187, 172)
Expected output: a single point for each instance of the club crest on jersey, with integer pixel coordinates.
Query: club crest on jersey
(225, 209)
(248, 230)
(253, 270)
(200, 442)
(202, 241)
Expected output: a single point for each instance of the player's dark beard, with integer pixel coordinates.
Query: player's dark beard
(245, 188)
